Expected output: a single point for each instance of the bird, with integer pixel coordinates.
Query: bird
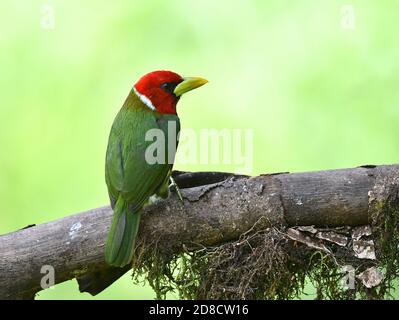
(132, 174)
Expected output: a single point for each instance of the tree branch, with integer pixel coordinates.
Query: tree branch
(218, 207)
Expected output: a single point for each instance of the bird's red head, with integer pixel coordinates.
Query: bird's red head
(161, 90)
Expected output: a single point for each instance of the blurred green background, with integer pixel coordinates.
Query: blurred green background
(319, 95)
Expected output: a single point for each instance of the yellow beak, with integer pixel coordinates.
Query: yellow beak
(189, 84)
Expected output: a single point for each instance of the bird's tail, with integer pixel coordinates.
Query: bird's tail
(119, 247)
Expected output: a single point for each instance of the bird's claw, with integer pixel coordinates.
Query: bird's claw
(174, 185)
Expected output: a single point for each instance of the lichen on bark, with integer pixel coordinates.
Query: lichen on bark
(279, 262)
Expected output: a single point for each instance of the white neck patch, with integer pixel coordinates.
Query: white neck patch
(144, 99)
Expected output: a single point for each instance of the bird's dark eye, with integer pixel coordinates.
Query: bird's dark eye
(169, 86)
(165, 85)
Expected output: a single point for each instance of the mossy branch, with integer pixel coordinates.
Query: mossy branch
(183, 246)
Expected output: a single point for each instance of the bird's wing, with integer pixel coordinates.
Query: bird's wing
(128, 173)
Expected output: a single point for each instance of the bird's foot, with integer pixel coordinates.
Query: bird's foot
(174, 185)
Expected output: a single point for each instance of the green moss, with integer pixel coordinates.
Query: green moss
(385, 223)
(267, 264)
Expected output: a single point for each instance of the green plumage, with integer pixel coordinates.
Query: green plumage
(131, 180)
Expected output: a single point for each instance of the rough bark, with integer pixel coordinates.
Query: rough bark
(218, 207)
